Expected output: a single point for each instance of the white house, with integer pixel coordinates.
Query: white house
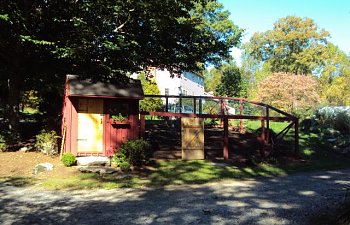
(188, 84)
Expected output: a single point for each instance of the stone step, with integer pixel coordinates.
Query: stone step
(92, 161)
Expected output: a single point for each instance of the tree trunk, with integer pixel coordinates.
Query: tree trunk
(13, 100)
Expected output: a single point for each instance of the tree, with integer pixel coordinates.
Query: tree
(42, 40)
(212, 79)
(338, 92)
(295, 46)
(292, 93)
(149, 87)
(231, 84)
(334, 77)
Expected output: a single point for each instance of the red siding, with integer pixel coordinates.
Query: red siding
(114, 134)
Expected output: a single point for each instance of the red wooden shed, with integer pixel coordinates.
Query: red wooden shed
(88, 127)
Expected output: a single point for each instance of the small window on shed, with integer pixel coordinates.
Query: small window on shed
(118, 108)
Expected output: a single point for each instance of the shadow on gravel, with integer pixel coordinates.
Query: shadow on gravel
(285, 200)
(18, 181)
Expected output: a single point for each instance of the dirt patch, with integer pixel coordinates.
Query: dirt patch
(13, 164)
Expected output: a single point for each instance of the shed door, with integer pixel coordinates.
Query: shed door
(90, 126)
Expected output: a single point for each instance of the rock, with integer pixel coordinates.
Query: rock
(26, 149)
(331, 140)
(42, 167)
(97, 169)
(92, 161)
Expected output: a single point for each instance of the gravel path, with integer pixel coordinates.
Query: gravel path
(285, 200)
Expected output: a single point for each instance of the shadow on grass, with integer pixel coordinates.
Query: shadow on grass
(198, 172)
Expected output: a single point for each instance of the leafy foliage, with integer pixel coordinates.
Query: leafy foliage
(295, 45)
(46, 142)
(226, 80)
(335, 117)
(334, 80)
(149, 87)
(3, 144)
(68, 159)
(41, 41)
(119, 158)
(232, 83)
(137, 152)
(291, 93)
(119, 117)
(125, 166)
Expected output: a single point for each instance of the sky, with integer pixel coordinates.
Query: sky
(260, 15)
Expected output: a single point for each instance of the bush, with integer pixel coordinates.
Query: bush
(3, 144)
(68, 159)
(124, 166)
(335, 117)
(342, 122)
(119, 158)
(137, 152)
(46, 142)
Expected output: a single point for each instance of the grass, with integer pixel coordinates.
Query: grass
(316, 153)
(92, 181)
(174, 172)
(200, 171)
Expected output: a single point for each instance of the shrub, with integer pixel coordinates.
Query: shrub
(335, 117)
(3, 144)
(124, 166)
(137, 152)
(46, 142)
(68, 159)
(342, 122)
(119, 158)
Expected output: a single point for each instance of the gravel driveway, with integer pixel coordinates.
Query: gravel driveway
(284, 200)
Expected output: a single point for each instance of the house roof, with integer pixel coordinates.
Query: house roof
(123, 87)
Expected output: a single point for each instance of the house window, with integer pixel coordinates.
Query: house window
(166, 91)
(184, 92)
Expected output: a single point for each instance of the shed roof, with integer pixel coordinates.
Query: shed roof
(123, 87)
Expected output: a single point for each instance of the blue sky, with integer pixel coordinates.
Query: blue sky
(260, 15)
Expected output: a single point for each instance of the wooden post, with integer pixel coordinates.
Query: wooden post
(194, 105)
(263, 130)
(222, 105)
(240, 113)
(262, 149)
(63, 140)
(296, 137)
(267, 125)
(226, 151)
(166, 103)
(200, 106)
(142, 126)
(180, 102)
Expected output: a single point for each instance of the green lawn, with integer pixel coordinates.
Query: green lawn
(315, 153)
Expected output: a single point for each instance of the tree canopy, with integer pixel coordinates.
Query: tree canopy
(149, 87)
(226, 80)
(294, 45)
(231, 84)
(292, 93)
(43, 40)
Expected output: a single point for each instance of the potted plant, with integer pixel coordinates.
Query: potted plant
(120, 119)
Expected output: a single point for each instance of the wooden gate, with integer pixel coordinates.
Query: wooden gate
(192, 132)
